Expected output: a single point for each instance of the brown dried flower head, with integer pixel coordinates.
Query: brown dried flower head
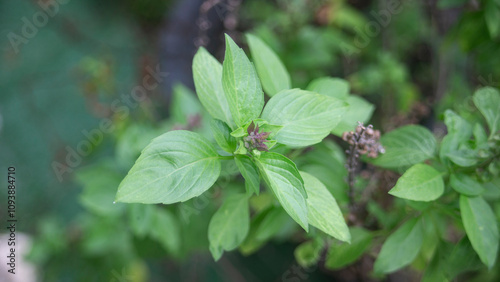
(365, 140)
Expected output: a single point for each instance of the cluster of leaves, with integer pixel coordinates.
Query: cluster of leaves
(443, 188)
(448, 187)
(180, 165)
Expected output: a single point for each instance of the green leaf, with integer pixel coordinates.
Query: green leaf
(308, 253)
(229, 225)
(271, 71)
(174, 167)
(239, 132)
(436, 268)
(492, 18)
(406, 146)
(306, 117)
(165, 229)
(99, 188)
(479, 134)
(401, 248)
(329, 86)
(463, 158)
(141, 218)
(184, 104)
(358, 110)
(272, 223)
(465, 185)
(419, 183)
(481, 227)
(222, 135)
(342, 254)
(461, 259)
(459, 131)
(250, 172)
(323, 211)
(207, 75)
(241, 85)
(487, 100)
(282, 176)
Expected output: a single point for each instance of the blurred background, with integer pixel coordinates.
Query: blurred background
(85, 85)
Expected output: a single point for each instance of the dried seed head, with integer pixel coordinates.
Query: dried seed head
(365, 140)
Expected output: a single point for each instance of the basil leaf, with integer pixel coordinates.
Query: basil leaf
(250, 172)
(358, 110)
(229, 226)
(406, 146)
(271, 71)
(401, 248)
(481, 228)
(222, 135)
(323, 211)
(342, 254)
(487, 100)
(207, 75)
(174, 167)
(241, 85)
(282, 176)
(329, 86)
(306, 117)
(419, 183)
(465, 185)
(459, 131)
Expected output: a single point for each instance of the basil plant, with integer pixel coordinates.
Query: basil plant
(180, 165)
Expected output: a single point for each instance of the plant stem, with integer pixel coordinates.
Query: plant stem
(352, 165)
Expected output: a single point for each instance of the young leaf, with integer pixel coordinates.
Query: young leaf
(481, 227)
(239, 132)
(487, 100)
(465, 185)
(222, 135)
(250, 172)
(229, 225)
(282, 176)
(174, 167)
(401, 248)
(341, 255)
(306, 117)
(329, 86)
(271, 71)
(419, 183)
(358, 110)
(323, 211)
(241, 85)
(406, 146)
(207, 75)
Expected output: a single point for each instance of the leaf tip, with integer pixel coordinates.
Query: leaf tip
(216, 252)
